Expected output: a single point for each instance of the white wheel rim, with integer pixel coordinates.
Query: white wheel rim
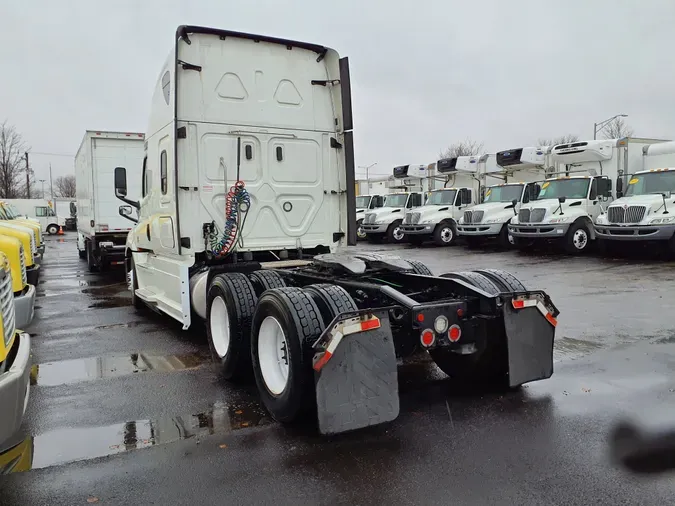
(580, 239)
(273, 355)
(446, 234)
(360, 232)
(510, 239)
(219, 322)
(398, 234)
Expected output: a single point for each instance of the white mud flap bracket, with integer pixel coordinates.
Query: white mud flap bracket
(355, 373)
(530, 330)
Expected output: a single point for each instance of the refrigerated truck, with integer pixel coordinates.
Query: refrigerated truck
(258, 195)
(101, 229)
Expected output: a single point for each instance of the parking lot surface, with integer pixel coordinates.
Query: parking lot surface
(126, 408)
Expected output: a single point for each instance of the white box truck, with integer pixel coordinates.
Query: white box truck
(101, 226)
(250, 193)
(42, 210)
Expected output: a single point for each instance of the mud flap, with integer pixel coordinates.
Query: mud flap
(358, 386)
(529, 338)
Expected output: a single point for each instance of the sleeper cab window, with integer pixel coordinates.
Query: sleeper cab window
(162, 169)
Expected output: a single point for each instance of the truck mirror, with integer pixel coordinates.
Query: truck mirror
(562, 200)
(120, 182)
(125, 210)
(619, 187)
(514, 202)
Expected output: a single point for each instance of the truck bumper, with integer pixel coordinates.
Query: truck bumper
(375, 229)
(113, 255)
(41, 250)
(635, 232)
(24, 306)
(426, 229)
(480, 230)
(14, 388)
(539, 230)
(33, 274)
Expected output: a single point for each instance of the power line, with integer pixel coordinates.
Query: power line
(50, 154)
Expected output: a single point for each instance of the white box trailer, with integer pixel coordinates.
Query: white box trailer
(102, 229)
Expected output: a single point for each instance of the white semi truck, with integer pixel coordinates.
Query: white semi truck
(365, 203)
(250, 192)
(573, 198)
(646, 210)
(437, 219)
(101, 228)
(520, 169)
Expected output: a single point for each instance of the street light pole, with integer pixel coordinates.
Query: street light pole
(367, 167)
(597, 127)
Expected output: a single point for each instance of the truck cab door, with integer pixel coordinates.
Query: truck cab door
(595, 197)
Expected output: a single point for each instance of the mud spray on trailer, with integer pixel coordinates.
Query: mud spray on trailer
(249, 194)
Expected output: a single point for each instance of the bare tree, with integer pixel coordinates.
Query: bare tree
(463, 148)
(12, 162)
(617, 129)
(65, 186)
(554, 141)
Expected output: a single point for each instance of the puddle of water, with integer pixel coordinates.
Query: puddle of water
(86, 369)
(568, 347)
(111, 303)
(67, 445)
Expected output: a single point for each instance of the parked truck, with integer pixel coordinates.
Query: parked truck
(250, 192)
(573, 197)
(520, 169)
(40, 210)
(646, 209)
(22, 291)
(101, 229)
(10, 215)
(437, 219)
(365, 203)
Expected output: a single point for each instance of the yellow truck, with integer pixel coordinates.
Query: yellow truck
(14, 360)
(27, 238)
(7, 212)
(24, 293)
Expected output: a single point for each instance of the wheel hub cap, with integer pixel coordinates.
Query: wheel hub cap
(446, 234)
(273, 355)
(580, 239)
(398, 234)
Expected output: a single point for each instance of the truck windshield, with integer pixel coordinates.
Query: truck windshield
(443, 197)
(651, 182)
(576, 188)
(395, 200)
(8, 212)
(363, 201)
(503, 193)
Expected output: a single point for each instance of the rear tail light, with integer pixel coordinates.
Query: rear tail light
(454, 333)
(441, 324)
(427, 338)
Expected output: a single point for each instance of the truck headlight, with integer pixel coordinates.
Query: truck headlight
(602, 219)
(658, 221)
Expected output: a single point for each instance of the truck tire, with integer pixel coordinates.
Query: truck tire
(504, 239)
(331, 300)
(445, 234)
(286, 323)
(476, 279)
(360, 234)
(578, 238)
(89, 255)
(504, 280)
(230, 303)
(52, 229)
(420, 268)
(265, 280)
(395, 234)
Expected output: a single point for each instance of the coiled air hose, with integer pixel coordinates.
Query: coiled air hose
(237, 204)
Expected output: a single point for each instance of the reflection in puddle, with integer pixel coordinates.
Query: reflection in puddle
(73, 444)
(110, 303)
(86, 369)
(568, 347)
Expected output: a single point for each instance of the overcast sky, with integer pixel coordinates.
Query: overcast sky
(424, 74)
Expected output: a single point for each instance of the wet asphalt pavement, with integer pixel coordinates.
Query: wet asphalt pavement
(125, 408)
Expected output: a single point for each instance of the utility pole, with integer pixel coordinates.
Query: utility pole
(43, 187)
(51, 185)
(27, 176)
(597, 127)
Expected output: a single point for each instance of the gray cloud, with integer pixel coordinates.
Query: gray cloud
(424, 74)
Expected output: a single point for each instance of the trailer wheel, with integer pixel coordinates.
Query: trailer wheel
(89, 255)
(420, 268)
(265, 280)
(286, 322)
(331, 300)
(476, 279)
(505, 280)
(230, 302)
(445, 234)
(395, 232)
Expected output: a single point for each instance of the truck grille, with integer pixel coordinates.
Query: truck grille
(7, 305)
(524, 216)
(630, 214)
(537, 215)
(33, 247)
(370, 218)
(22, 257)
(471, 217)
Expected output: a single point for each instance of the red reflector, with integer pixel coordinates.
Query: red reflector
(427, 338)
(551, 319)
(460, 312)
(370, 324)
(318, 365)
(454, 333)
(420, 317)
(518, 304)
